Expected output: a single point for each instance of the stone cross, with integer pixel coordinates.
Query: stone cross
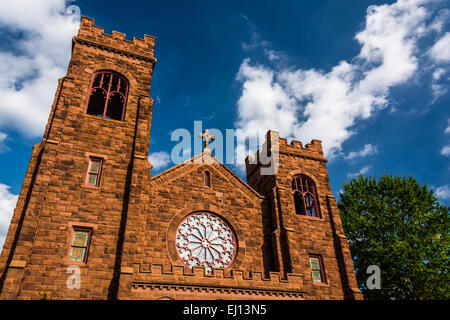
(206, 136)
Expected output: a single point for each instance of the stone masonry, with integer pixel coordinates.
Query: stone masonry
(133, 216)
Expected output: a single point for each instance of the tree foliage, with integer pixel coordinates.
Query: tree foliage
(400, 226)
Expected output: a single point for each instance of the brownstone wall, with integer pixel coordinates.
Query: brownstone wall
(180, 283)
(134, 216)
(296, 237)
(54, 196)
(168, 201)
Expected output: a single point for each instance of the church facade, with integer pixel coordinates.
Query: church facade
(92, 222)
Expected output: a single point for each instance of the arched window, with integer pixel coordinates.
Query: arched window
(305, 196)
(207, 179)
(108, 95)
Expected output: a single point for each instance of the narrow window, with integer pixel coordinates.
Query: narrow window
(79, 245)
(207, 179)
(108, 95)
(316, 265)
(299, 203)
(94, 171)
(305, 196)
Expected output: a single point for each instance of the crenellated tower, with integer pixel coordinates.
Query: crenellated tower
(78, 189)
(303, 220)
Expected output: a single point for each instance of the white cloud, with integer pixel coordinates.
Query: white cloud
(307, 104)
(445, 151)
(3, 146)
(159, 159)
(438, 91)
(438, 73)
(442, 18)
(441, 49)
(438, 88)
(273, 55)
(443, 192)
(7, 205)
(362, 171)
(263, 104)
(368, 150)
(37, 55)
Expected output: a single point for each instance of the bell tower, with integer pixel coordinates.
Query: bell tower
(80, 182)
(303, 221)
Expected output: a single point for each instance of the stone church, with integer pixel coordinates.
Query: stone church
(92, 222)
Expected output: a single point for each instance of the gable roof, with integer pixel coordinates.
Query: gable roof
(202, 159)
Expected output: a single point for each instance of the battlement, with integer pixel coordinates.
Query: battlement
(219, 281)
(274, 146)
(93, 35)
(314, 147)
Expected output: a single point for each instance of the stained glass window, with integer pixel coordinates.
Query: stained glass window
(305, 196)
(204, 239)
(315, 263)
(94, 170)
(79, 245)
(108, 95)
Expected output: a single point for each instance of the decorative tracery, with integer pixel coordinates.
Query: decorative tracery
(305, 196)
(108, 95)
(204, 239)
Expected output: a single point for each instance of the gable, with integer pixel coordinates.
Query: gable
(210, 163)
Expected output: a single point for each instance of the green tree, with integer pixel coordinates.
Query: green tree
(400, 226)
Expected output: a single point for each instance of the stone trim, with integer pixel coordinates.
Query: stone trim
(190, 165)
(18, 264)
(101, 46)
(218, 289)
(96, 155)
(92, 226)
(126, 270)
(180, 278)
(116, 122)
(301, 155)
(133, 90)
(71, 225)
(309, 174)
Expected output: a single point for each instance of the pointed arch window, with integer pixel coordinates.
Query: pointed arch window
(305, 196)
(108, 95)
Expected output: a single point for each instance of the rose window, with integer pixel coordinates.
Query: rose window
(204, 239)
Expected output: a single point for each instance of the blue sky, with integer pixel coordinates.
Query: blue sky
(368, 78)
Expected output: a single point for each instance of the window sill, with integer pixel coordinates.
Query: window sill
(310, 218)
(122, 122)
(320, 284)
(73, 263)
(91, 187)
